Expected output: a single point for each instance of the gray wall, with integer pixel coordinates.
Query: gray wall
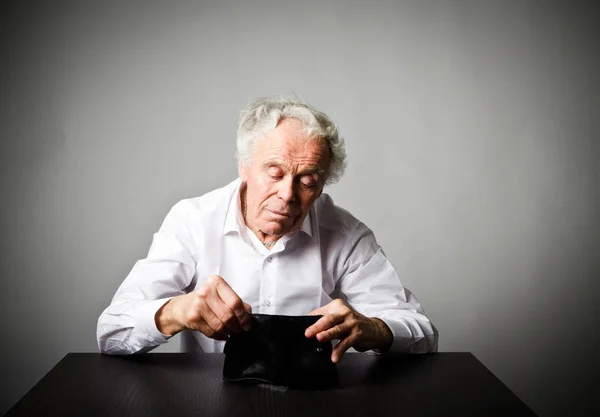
(472, 131)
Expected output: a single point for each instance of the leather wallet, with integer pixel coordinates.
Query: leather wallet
(275, 351)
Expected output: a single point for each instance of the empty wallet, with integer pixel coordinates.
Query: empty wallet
(275, 351)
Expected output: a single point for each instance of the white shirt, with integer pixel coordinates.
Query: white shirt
(333, 255)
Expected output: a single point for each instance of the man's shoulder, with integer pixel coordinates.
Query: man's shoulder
(217, 199)
(332, 217)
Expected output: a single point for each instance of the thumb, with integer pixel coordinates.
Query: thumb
(321, 311)
(248, 308)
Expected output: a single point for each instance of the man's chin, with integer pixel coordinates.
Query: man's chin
(277, 229)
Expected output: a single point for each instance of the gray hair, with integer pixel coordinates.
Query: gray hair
(262, 116)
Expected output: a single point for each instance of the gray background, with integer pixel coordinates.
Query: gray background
(472, 133)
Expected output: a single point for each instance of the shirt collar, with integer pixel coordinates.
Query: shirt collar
(235, 223)
(233, 219)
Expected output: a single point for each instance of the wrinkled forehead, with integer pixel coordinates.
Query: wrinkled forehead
(289, 139)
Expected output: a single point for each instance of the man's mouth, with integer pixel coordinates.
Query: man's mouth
(281, 213)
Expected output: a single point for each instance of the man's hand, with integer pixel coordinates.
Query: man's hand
(351, 328)
(214, 309)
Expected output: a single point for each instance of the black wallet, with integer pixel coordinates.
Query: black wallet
(275, 351)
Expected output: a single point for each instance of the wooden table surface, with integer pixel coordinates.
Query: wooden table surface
(177, 384)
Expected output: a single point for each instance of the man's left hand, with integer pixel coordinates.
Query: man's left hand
(354, 330)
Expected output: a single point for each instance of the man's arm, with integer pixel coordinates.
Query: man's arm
(153, 303)
(376, 305)
(128, 324)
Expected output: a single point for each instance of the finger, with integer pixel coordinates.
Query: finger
(341, 348)
(248, 308)
(321, 311)
(206, 330)
(339, 331)
(210, 325)
(234, 303)
(334, 306)
(324, 323)
(223, 313)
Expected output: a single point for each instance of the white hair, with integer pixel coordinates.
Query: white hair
(262, 116)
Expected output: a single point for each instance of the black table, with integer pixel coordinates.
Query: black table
(176, 384)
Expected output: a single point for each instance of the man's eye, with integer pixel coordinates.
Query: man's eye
(308, 182)
(274, 173)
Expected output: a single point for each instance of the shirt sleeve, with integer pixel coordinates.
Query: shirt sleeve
(372, 287)
(127, 325)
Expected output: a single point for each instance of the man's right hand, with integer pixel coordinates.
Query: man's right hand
(214, 309)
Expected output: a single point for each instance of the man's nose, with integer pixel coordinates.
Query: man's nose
(287, 191)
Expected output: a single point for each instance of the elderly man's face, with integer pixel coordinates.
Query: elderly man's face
(286, 176)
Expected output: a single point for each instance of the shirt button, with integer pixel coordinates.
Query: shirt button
(269, 259)
(267, 303)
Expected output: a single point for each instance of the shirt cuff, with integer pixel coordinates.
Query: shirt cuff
(145, 321)
(402, 337)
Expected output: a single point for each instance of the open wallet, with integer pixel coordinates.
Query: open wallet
(276, 352)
